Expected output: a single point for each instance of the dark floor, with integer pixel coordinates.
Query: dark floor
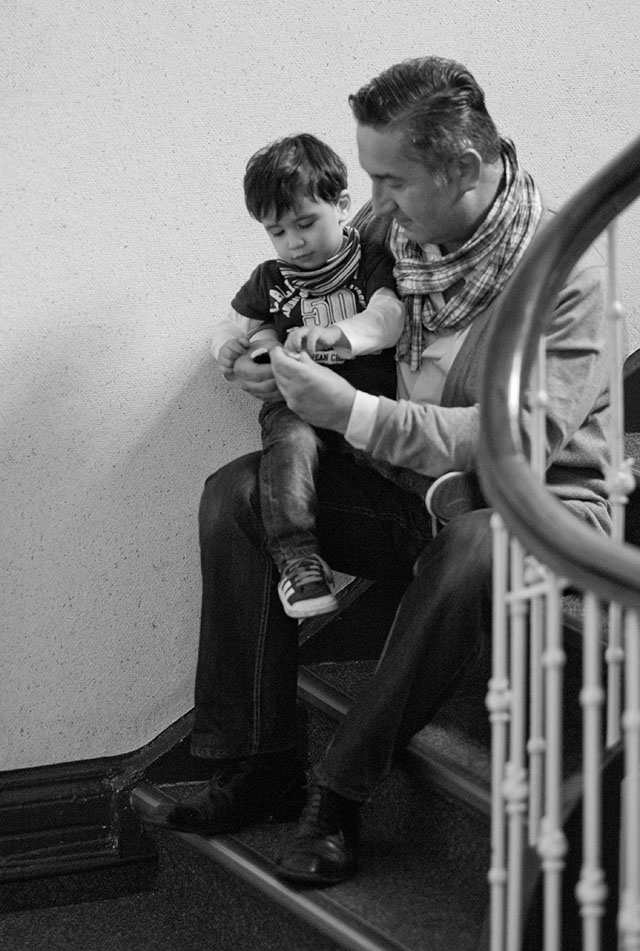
(189, 902)
(193, 905)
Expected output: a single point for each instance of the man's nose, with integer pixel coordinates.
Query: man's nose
(382, 202)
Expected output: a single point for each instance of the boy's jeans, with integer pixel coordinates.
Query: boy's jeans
(291, 451)
(245, 697)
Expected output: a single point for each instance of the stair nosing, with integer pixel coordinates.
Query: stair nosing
(317, 908)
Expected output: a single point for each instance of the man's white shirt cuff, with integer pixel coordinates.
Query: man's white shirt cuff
(362, 420)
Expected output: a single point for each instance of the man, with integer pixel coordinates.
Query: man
(459, 213)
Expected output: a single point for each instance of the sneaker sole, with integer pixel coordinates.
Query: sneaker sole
(301, 609)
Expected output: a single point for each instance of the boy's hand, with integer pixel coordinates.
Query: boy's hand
(295, 341)
(229, 353)
(315, 338)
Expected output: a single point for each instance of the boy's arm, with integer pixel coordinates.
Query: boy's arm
(379, 326)
(375, 328)
(249, 316)
(235, 335)
(265, 335)
(233, 327)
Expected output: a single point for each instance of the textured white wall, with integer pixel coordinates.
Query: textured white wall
(125, 129)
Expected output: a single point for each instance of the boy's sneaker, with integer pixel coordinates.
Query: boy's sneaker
(452, 494)
(304, 587)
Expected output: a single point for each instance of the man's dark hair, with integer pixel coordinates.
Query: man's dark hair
(436, 103)
(279, 174)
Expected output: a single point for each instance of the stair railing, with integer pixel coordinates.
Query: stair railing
(541, 551)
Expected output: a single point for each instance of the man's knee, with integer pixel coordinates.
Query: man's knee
(228, 495)
(464, 546)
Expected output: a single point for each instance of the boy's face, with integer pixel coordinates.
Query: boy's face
(309, 234)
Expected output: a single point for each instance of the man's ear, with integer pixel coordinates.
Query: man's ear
(469, 170)
(344, 204)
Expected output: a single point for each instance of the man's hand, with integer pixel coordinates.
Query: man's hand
(315, 393)
(257, 379)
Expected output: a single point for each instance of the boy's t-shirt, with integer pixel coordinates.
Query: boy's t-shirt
(269, 297)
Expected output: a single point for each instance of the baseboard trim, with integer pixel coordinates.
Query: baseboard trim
(71, 818)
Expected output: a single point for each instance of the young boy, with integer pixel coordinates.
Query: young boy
(327, 292)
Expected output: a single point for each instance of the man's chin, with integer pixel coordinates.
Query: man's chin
(411, 230)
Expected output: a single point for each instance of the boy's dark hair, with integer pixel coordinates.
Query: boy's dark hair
(437, 104)
(279, 174)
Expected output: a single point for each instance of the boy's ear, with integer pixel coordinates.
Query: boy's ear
(344, 204)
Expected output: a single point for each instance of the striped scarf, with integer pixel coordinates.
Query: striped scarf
(332, 275)
(482, 265)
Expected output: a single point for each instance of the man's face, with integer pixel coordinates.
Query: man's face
(426, 206)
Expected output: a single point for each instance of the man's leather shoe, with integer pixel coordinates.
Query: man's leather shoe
(324, 848)
(240, 794)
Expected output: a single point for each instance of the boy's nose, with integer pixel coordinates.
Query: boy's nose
(296, 241)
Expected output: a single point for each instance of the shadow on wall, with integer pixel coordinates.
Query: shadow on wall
(103, 472)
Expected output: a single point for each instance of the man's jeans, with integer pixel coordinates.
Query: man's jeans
(442, 626)
(367, 526)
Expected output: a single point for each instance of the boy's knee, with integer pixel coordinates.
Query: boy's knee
(282, 429)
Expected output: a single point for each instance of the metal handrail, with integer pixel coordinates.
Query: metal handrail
(547, 529)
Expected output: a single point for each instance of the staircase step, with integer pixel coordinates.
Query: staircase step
(442, 755)
(247, 856)
(425, 842)
(425, 849)
(422, 883)
(453, 751)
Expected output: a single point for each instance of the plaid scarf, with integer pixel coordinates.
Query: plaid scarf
(483, 264)
(332, 275)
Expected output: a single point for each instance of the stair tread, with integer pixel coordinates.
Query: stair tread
(459, 736)
(423, 871)
(425, 847)
(457, 733)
